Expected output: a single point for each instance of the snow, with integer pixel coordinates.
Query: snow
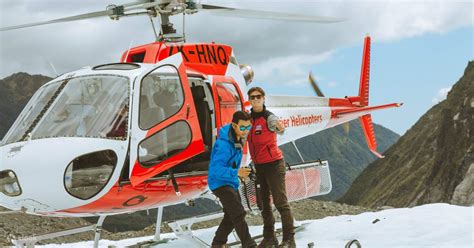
(433, 225)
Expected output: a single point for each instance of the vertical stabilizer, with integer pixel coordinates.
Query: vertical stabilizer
(365, 74)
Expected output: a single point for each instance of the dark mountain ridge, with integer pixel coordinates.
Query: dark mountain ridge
(432, 162)
(15, 91)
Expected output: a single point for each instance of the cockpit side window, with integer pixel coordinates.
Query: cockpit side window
(164, 144)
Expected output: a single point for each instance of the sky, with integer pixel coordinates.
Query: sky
(428, 226)
(419, 48)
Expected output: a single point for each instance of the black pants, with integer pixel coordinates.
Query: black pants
(271, 177)
(234, 217)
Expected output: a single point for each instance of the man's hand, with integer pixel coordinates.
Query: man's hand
(244, 172)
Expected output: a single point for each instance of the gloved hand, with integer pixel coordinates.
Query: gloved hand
(244, 172)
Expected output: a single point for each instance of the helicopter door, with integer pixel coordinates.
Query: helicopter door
(165, 126)
(227, 100)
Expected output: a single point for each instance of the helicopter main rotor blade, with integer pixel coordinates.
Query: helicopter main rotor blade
(315, 85)
(113, 11)
(65, 19)
(173, 7)
(260, 14)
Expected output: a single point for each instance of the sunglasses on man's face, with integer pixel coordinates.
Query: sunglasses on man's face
(243, 128)
(253, 97)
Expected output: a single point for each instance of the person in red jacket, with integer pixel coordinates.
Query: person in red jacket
(270, 167)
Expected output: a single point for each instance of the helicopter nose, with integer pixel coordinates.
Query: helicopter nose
(75, 172)
(9, 184)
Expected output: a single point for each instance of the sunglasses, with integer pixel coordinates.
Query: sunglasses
(253, 97)
(243, 128)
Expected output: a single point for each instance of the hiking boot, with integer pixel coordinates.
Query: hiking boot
(288, 243)
(268, 243)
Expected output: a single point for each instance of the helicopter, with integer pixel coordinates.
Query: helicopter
(137, 134)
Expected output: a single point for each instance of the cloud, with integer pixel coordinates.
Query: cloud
(441, 95)
(272, 46)
(291, 70)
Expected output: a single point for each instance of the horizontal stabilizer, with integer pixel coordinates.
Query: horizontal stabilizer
(357, 111)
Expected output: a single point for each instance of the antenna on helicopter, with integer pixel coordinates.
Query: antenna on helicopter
(154, 30)
(184, 27)
(129, 47)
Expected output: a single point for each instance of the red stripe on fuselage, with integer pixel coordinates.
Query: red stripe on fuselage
(149, 194)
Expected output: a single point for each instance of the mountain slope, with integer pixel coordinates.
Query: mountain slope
(15, 91)
(431, 162)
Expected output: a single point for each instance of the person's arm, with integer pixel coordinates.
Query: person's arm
(218, 165)
(274, 124)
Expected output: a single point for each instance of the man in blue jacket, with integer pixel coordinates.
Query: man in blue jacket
(223, 179)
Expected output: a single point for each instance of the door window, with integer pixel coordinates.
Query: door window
(164, 144)
(161, 96)
(229, 101)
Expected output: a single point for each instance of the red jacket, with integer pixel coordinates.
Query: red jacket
(263, 142)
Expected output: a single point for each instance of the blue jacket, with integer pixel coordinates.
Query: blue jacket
(225, 160)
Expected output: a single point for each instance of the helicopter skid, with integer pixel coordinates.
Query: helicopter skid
(32, 240)
(182, 228)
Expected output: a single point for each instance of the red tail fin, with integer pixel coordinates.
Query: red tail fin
(366, 120)
(365, 74)
(368, 127)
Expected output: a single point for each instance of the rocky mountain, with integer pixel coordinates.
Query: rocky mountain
(432, 162)
(15, 91)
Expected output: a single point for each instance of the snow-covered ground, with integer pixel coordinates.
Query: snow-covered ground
(432, 225)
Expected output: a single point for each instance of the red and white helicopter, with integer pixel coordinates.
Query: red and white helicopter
(135, 135)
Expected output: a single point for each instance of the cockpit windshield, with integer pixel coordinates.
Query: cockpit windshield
(91, 106)
(87, 106)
